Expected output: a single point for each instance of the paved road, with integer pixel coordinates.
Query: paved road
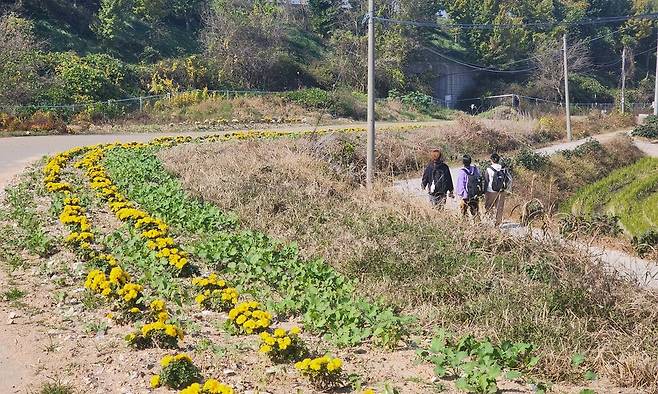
(17, 152)
(645, 272)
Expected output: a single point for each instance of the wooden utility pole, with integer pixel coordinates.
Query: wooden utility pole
(371, 95)
(566, 88)
(623, 79)
(655, 89)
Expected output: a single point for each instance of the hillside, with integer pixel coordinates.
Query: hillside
(283, 47)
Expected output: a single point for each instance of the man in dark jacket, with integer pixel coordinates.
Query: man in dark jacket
(437, 180)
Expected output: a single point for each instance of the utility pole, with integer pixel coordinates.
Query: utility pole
(566, 87)
(623, 78)
(655, 90)
(371, 94)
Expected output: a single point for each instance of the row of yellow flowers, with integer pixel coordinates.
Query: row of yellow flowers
(243, 318)
(114, 283)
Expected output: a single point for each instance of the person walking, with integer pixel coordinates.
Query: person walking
(437, 180)
(498, 183)
(469, 188)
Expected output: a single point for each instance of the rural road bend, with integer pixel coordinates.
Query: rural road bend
(645, 272)
(16, 153)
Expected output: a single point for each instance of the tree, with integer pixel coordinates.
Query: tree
(325, 15)
(111, 18)
(19, 61)
(245, 41)
(548, 78)
(152, 10)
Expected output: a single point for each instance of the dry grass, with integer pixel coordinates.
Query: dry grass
(565, 174)
(469, 280)
(245, 108)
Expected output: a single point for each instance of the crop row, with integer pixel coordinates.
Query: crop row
(245, 318)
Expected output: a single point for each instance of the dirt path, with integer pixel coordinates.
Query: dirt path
(643, 271)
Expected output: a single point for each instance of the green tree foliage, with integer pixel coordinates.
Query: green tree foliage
(152, 10)
(19, 61)
(111, 18)
(89, 78)
(325, 15)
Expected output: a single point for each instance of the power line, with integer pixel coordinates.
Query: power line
(482, 68)
(477, 67)
(491, 26)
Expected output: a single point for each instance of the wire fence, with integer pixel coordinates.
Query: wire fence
(536, 105)
(526, 105)
(124, 105)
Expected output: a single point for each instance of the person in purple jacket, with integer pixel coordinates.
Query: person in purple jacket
(469, 188)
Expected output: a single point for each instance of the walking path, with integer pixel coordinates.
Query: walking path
(644, 271)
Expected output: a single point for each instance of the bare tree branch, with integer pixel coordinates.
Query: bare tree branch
(548, 58)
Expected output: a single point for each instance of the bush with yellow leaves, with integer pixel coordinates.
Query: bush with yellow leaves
(324, 372)
(214, 293)
(178, 371)
(283, 346)
(248, 318)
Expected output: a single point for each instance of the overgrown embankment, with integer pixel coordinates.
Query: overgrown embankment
(449, 275)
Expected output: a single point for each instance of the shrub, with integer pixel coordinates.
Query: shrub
(315, 98)
(419, 101)
(324, 372)
(211, 386)
(83, 79)
(214, 293)
(349, 104)
(597, 224)
(590, 148)
(177, 372)
(282, 346)
(170, 76)
(646, 242)
(156, 334)
(531, 160)
(247, 318)
(549, 128)
(39, 121)
(649, 129)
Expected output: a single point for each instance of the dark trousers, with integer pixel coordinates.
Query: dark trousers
(472, 205)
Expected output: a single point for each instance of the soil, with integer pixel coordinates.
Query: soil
(49, 335)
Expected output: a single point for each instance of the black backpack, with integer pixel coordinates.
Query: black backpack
(438, 179)
(500, 179)
(473, 183)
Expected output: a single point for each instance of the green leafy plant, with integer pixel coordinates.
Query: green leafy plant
(178, 371)
(530, 160)
(325, 298)
(13, 294)
(56, 388)
(649, 129)
(646, 242)
(310, 98)
(477, 364)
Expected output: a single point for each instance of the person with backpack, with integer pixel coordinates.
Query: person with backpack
(498, 182)
(437, 180)
(469, 187)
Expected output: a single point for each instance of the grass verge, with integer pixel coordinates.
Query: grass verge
(465, 279)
